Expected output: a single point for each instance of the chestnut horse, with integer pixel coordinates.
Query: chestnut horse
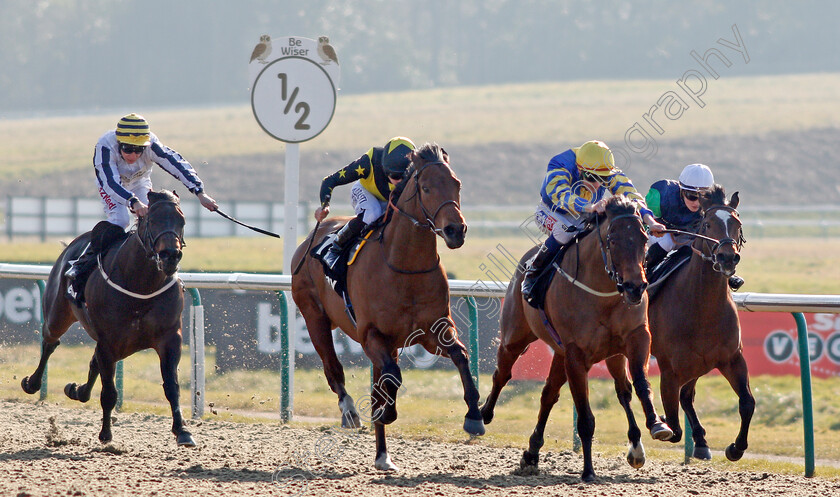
(134, 302)
(399, 292)
(695, 328)
(592, 313)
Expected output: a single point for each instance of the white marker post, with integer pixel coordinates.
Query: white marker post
(293, 99)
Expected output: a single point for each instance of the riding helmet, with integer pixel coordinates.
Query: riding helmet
(133, 130)
(395, 156)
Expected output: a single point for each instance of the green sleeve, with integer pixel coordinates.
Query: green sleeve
(652, 201)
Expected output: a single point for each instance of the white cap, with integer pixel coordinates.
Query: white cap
(696, 178)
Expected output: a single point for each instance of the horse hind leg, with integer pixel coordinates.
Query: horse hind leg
(624, 391)
(529, 463)
(32, 383)
(82, 393)
(737, 375)
(320, 333)
(170, 355)
(505, 359)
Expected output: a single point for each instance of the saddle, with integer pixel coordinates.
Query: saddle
(668, 266)
(337, 273)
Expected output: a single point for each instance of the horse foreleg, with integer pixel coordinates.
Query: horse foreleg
(387, 377)
(550, 394)
(473, 422)
(82, 394)
(320, 332)
(698, 433)
(669, 393)
(638, 355)
(383, 460)
(617, 365)
(506, 357)
(577, 375)
(108, 396)
(32, 384)
(169, 354)
(738, 376)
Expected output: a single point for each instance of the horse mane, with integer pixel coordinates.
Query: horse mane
(164, 195)
(715, 196)
(619, 205)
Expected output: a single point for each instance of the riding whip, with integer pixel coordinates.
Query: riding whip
(258, 230)
(308, 248)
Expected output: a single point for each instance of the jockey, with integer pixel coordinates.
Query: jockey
(676, 204)
(576, 183)
(374, 176)
(122, 162)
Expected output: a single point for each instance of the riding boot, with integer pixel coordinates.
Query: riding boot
(735, 282)
(655, 255)
(534, 268)
(343, 239)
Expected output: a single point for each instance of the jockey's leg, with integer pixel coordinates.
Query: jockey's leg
(345, 237)
(538, 263)
(655, 255)
(101, 237)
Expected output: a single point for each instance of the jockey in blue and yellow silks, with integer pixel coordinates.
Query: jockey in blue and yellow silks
(577, 182)
(374, 176)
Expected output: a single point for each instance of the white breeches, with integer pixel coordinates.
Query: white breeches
(366, 203)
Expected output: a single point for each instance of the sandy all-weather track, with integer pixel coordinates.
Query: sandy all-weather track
(49, 450)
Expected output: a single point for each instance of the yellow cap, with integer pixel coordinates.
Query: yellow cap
(133, 130)
(595, 157)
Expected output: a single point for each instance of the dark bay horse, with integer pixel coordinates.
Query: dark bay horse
(399, 291)
(134, 302)
(597, 313)
(695, 328)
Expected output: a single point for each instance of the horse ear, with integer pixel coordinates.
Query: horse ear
(733, 201)
(175, 194)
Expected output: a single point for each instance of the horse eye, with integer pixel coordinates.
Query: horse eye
(425, 189)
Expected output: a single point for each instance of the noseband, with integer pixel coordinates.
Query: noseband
(430, 218)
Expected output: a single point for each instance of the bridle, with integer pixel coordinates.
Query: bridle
(148, 240)
(606, 255)
(429, 224)
(430, 218)
(716, 246)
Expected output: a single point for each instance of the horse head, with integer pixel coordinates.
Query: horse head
(624, 249)
(721, 222)
(162, 231)
(435, 195)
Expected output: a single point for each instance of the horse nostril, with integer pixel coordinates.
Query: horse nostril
(736, 259)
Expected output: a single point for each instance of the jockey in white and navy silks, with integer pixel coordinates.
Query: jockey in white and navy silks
(123, 162)
(121, 184)
(577, 181)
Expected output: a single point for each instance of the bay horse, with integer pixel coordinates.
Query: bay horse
(134, 302)
(399, 291)
(695, 328)
(584, 322)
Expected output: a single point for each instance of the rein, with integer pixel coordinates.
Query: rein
(717, 244)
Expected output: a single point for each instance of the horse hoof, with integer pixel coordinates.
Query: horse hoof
(733, 454)
(661, 431)
(350, 420)
(487, 415)
(185, 439)
(105, 437)
(636, 455)
(702, 453)
(70, 391)
(529, 462)
(588, 477)
(384, 463)
(30, 389)
(474, 426)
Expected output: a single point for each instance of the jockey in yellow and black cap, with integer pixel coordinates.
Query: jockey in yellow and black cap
(374, 176)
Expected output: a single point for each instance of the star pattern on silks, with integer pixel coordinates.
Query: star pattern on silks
(360, 171)
(342, 173)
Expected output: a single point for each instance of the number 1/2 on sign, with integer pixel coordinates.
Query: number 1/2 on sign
(290, 100)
